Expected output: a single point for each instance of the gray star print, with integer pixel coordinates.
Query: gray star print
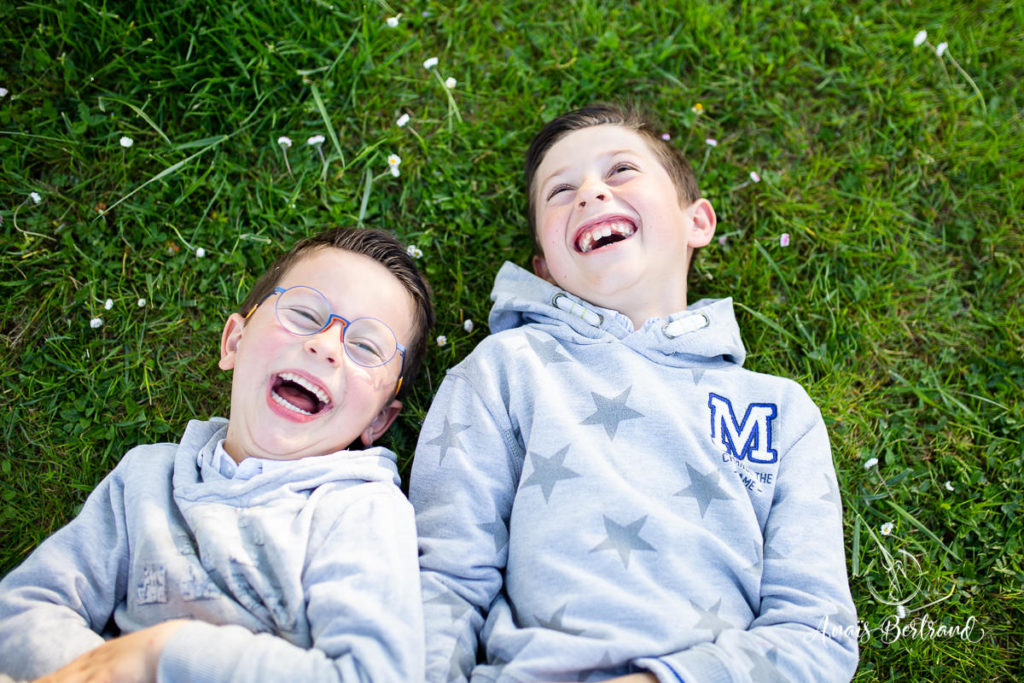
(763, 668)
(549, 471)
(555, 623)
(450, 600)
(611, 411)
(448, 438)
(548, 351)
(461, 663)
(497, 529)
(755, 566)
(623, 539)
(703, 488)
(832, 495)
(710, 620)
(771, 552)
(605, 667)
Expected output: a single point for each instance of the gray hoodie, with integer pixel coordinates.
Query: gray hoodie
(304, 572)
(593, 501)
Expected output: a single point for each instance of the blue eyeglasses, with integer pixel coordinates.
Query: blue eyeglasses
(305, 311)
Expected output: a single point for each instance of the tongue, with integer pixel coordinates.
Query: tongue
(298, 397)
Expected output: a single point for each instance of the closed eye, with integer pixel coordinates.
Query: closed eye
(304, 318)
(557, 190)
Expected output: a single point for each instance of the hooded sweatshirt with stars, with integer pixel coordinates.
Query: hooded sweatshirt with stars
(594, 500)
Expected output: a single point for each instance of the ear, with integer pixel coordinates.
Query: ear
(381, 423)
(229, 338)
(540, 268)
(704, 222)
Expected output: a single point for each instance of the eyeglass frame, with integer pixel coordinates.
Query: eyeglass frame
(331, 316)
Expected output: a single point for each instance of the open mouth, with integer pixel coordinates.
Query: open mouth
(298, 394)
(602, 234)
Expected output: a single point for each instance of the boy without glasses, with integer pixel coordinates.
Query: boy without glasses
(601, 489)
(260, 547)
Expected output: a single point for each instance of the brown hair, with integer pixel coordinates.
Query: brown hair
(382, 248)
(674, 163)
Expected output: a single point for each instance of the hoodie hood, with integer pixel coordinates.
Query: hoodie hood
(205, 483)
(705, 334)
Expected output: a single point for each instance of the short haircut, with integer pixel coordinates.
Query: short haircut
(629, 117)
(385, 250)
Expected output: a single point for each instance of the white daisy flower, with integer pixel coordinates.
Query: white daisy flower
(414, 251)
(35, 197)
(442, 340)
(871, 462)
(887, 528)
(126, 141)
(95, 323)
(949, 486)
(315, 140)
(200, 252)
(141, 303)
(450, 83)
(920, 38)
(394, 161)
(392, 21)
(284, 141)
(402, 120)
(940, 49)
(711, 142)
(901, 612)
(3, 92)
(755, 177)
(108, 304)
(468, 325)
(430, 63)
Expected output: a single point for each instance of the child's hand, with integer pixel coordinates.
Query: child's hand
(129, 659)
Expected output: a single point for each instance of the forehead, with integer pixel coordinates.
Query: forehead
(356, 285)
(591, 143)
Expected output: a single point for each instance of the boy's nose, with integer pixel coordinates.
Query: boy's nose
(328, 343)
(592, 191)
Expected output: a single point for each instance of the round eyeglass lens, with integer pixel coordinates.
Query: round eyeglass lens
(369, 342)
(303, 310)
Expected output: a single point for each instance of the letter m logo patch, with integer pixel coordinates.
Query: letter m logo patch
(749, 438)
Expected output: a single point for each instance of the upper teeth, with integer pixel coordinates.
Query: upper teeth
(623, 228)
(308, 386)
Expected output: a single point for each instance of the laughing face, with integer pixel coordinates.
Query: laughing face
(611, 225)
(294, 396)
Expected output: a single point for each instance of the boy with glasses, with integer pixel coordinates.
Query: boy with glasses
(264, 547)
(601, 490)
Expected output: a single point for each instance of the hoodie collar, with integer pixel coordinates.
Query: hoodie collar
(706, 333)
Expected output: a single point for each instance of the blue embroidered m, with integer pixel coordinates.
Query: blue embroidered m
(750, 438)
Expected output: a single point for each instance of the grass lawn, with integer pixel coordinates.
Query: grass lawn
(143, 188)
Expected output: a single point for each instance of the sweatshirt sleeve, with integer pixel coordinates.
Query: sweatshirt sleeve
(463, 481)
(54, 605)
(806, 628)
(363, 605)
